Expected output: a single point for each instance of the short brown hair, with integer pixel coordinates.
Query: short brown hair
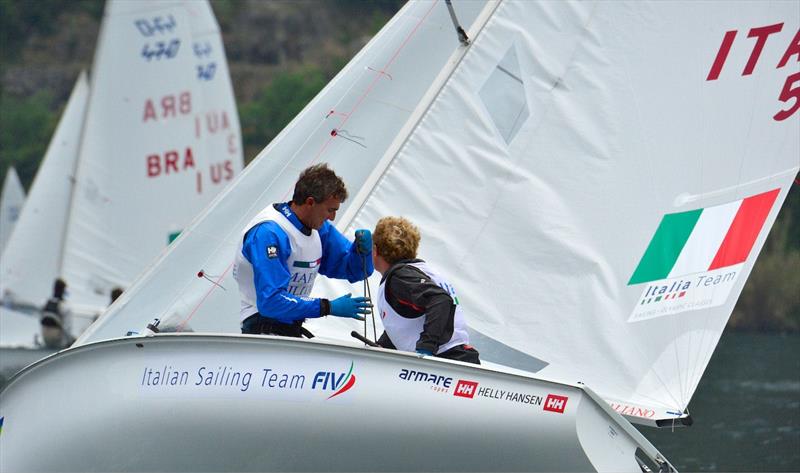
(320, 182)
(396, 239)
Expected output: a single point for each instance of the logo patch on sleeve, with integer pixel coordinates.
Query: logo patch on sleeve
(272, 252)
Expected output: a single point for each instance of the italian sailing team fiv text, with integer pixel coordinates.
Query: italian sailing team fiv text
(228, 376)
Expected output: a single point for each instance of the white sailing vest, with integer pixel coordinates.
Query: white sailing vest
(303, 262)
(405, 332)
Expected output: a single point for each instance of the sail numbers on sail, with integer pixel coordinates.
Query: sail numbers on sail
(168, 106)
(156, 25)
(791, 88)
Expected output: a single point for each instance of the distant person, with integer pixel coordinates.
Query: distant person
(55, 318)
(284, 247)
(418, 307)
(115, 293)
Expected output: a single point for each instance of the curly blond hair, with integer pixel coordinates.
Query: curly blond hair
(396, 239)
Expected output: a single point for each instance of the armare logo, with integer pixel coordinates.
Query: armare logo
(272, 252)
(555, 403)
(465, 389)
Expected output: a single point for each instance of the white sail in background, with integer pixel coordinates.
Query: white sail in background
(11, 200)
(161, 138)
(544, 169)
(31, 260)
(349, 125)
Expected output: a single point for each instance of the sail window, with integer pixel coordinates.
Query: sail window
(503, 94)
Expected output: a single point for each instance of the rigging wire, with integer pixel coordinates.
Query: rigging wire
(368, 294)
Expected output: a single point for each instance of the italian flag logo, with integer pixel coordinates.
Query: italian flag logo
(704, 239)
(694, 257)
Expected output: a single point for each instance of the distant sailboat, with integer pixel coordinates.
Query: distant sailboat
(591, 176)
(11, 200)
(30, 262)
(134, 158)
(32, 259)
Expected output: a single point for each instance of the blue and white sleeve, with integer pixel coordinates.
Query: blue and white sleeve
(267, 248)
(340, 260)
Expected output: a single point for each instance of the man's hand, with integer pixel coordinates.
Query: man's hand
(363, 241)
(352, 307)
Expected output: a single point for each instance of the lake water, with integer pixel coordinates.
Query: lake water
(746, 409)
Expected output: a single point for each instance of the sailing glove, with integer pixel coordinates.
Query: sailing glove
(422, 352)
(363, 241)
(352, 307)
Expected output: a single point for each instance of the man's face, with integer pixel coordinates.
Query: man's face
(321, 211)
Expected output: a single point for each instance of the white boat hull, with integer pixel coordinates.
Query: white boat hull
(240, 403)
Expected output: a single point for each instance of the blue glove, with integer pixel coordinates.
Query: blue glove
(363, 241)
(352, 307)
(421, 352)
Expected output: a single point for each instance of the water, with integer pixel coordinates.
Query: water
(746, 409)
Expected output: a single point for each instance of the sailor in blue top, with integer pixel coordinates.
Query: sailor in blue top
(284, 247)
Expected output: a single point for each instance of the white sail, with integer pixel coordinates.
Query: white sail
(161, 138)
(613, 192)
(350, 125)
(540, 173)
(574, 164)
(11, 200)
(31, 260)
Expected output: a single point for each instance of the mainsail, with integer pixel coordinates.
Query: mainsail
(614, 187)
(597, 179)
(11, 200)
(350, 125)
(132, 161)
(161, 138)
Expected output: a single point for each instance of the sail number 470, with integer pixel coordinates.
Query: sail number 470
(791, 88)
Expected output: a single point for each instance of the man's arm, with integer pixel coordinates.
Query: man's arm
(271, 275)
(340, 260)
(413, 293)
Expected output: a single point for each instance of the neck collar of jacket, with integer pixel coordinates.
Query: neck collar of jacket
(397, 266)
(286, 210)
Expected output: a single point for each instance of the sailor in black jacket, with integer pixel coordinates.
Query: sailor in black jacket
(419, 309)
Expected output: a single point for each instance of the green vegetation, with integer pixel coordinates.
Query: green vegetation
(276, 105)
(22, 19)
(770, 301)
(26, 125)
